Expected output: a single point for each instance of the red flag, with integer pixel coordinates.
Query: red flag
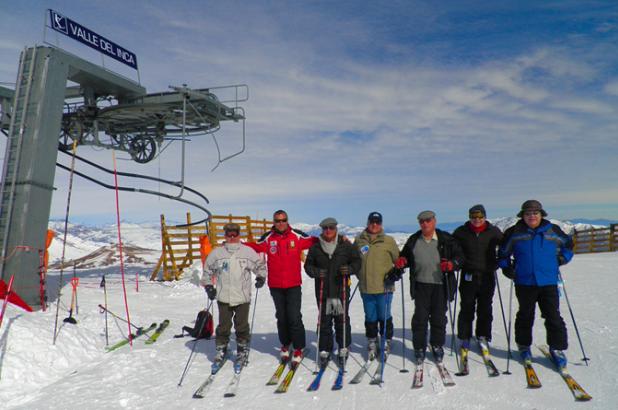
(14, 298)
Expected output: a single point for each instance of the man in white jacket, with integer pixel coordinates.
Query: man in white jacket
(227, 277)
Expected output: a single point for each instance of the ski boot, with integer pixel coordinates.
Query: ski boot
(372, 348)
(324, 358)
(558, 357)
(525, 354)
(284, 353)
(464, 347)
(483, 343)
(221, 352)
(242, 355)
(438, 353)
(387, 347)
(419, 356)
(297, 357)
(342, 357)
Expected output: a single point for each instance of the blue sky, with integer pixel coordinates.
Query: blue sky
(395, 106)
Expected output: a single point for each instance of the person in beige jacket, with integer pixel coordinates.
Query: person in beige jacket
(379, 252)
(227, 277)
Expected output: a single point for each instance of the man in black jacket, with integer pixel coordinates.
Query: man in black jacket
(479, 240)
(433, 256)
(331, 261)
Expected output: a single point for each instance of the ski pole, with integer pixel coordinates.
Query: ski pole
(501, 306)
(448, 304)
(104, 286)
(344, 299)
(184, 372)
(508, 335)
(104, 309)
(403, 337)
(581, 345)
(75, 278)
(383, 336)
(353, 293)
(317, 350)
(453, 346)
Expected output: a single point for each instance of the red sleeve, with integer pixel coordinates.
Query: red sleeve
(306, 243)
(258, 247)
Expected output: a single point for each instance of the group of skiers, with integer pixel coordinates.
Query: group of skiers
(529, 253)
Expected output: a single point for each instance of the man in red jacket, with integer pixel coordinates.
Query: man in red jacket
(284, 247)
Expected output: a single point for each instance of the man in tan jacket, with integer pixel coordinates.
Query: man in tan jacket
(379, 251)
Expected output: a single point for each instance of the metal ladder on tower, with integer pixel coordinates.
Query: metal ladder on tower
(10, 169)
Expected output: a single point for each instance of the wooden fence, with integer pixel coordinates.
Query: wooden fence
(596, 240)
(180, 244)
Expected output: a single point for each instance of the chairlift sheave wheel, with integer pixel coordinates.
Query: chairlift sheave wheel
(142, 149)
(69, 133)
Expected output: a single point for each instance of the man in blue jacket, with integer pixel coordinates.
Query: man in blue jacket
(530, 254)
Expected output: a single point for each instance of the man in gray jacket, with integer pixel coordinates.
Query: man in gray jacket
(227, 277)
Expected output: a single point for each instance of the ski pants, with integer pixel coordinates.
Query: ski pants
(240, 315)
(429, 308)
(549, 303)
(477, 293)
(290, 325)
(378, 308)
(326, 331)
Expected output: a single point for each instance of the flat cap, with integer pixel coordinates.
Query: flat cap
(426, 215)
(328, 222)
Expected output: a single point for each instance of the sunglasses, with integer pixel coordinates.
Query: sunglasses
(425, 221)
(532, 213)
(231, 234)
(330, 227)
(280, 221)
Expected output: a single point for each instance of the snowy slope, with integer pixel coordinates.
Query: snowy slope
(76, 373)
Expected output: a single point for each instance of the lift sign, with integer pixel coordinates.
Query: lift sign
(88, 37)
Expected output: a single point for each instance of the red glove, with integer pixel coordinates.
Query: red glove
(401, 262)
(446, 265)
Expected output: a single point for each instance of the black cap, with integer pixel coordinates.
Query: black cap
(477, 210)
(531, 205)
(375, 217)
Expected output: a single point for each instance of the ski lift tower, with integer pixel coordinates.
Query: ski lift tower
(40, 116)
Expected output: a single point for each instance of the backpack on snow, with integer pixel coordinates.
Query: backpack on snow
(204, 326)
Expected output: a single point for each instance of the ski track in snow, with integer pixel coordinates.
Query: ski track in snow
(77, 373)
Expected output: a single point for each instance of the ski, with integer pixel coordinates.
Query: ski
(232, 386)
(153, 338)
(315, 384)
(358, 377)
(465, 370)
(274, 379)
(338, 383)
(132, 336)
(578, 392)
(417, 380)
(216, 366)
(447, 380)
(492, 370)
(531, 377)
(287, 380)
(377, 375)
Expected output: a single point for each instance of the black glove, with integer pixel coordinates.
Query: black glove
(322, 273)
(561, 260)
(344, 270)
(259, 282)
(211, 292)
(509, 272)
(393, 275)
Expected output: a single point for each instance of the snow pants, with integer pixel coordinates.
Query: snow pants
(326, 331)
(377, 308)
(290, 325)
(549, 303)
(476, 294)
(429, 307)
(240, 315)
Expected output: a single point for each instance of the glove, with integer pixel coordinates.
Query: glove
(561, 260)
(322, 273)
(259, 282)
(401, 262)
(344, 270)
(211, 292)
(509, 272)
(393, 275)
(446, 265)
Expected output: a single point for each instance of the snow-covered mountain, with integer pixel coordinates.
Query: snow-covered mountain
(96, 247)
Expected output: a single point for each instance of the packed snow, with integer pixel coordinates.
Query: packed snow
(77, 372)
